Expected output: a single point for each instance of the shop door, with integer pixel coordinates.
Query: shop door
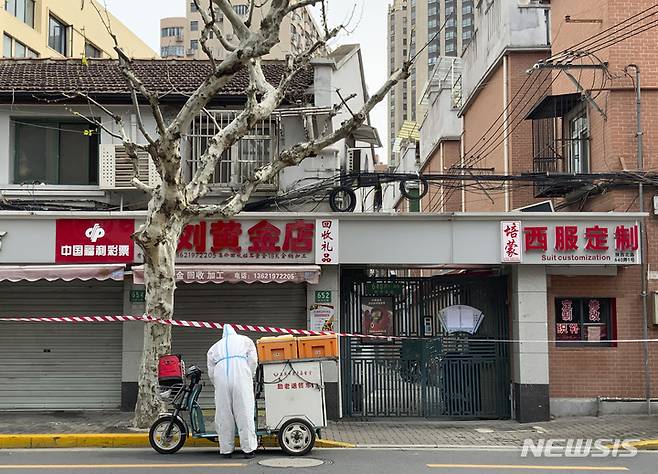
(433, 373)
(271, 304)
(60, 366)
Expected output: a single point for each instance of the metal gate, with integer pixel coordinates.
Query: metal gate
(435, 374)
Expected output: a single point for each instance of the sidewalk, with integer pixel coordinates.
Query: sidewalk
(386, 432)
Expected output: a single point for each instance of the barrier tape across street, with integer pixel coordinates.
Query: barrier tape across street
(264, 329)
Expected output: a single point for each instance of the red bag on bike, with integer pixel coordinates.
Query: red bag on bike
(171, 370)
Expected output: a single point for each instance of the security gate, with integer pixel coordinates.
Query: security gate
(433, 373)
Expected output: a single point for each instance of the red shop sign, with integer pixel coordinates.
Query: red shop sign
(94, 241)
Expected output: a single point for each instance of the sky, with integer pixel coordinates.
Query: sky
(367, 27)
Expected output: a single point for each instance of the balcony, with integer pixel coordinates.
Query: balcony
(560, 143)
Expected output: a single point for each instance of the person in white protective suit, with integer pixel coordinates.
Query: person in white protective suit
(232, 363)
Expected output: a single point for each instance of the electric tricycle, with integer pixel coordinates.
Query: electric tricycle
(291, 391)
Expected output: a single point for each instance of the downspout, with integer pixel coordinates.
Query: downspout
(506, 135)
(643, 238)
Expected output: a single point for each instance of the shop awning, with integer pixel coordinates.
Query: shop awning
(17, 273)
(240, 274)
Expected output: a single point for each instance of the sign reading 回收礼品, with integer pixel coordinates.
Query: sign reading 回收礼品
(570, 243)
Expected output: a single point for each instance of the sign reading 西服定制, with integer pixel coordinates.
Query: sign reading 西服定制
(570, 243)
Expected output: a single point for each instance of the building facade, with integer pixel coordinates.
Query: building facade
(56, 29)
(446, 27)
(522, 115)
(77, 177)
(180, 36)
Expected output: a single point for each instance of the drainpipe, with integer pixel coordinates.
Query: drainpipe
(643, 237)
(505, 128)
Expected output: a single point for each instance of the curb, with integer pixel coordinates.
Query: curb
(124, 440)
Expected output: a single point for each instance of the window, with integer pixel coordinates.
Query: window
(241, 9)
(55, 152)
(172, 51)
(194, 44)
(92, 51)
(20, 51)
(193, 7)
(57, 35)
(252, 151)
(194, 26)
(6, 46)
(171, 31)
(467, 21)
(21, 9)
(577, 141)
(12, 48)
(585, 319)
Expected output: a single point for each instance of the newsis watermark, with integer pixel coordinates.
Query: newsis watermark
(579, 448)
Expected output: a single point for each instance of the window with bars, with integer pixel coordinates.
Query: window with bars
(255, 150)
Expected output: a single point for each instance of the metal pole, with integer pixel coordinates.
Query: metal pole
(643, 237)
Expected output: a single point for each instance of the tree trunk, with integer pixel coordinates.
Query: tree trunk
(160, 281)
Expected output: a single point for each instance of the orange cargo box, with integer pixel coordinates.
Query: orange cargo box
(276, 348)
(315, 347)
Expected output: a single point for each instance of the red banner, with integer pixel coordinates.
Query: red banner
(94, 241)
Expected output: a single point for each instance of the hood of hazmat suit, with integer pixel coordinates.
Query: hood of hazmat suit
(232, 363)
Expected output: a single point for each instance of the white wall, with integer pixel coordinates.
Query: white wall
(500, 24)
(441, 122)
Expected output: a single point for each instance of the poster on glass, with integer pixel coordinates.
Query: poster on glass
(377, 317)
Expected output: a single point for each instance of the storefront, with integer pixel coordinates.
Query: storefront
(565, 285)
(51, 268)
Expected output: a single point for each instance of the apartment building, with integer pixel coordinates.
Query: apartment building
(446, 27)
(63, 29)
(180, 36)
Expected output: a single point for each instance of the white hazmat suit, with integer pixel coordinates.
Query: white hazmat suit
(232, 363)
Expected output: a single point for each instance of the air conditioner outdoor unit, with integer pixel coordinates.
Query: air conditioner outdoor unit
(353, 160)
(116, 168)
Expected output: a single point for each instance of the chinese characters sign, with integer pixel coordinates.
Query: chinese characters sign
(570, 243)
(245, 241)
(326, 241)
(94, 241)
(511, 241)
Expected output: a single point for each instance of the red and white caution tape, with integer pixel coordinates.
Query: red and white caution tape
(266, 329)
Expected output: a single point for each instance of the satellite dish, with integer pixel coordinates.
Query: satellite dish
(461, 318)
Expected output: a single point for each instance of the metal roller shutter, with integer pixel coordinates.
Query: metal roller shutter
(272, 304)
(60, 366)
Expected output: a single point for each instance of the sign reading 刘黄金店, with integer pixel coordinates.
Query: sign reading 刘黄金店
(248, 241)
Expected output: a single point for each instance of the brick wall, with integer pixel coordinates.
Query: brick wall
(481, 113)
(602, 371)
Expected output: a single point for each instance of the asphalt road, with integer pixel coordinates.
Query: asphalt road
(380, 461)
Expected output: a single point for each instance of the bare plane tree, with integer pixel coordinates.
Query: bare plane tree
(174, 202)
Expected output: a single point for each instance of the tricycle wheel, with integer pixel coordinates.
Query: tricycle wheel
(296, 437)
(167, 444)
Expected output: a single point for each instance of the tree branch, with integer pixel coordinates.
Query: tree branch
(252, 46)
(299, 152)
(231, 15)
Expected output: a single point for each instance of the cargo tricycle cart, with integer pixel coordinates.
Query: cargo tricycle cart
(292, 392)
